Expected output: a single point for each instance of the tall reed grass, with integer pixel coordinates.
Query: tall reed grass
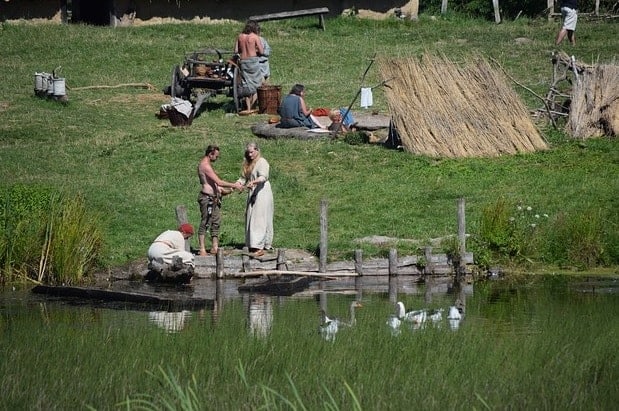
(47, 237)
(518, 347)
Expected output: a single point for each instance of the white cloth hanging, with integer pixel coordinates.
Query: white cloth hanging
(366, 97)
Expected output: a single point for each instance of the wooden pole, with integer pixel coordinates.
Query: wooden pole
(393, 289)
(427, 295)
(245, 260)
(181, 218)
(219, 264)
(359, 262)
(429, 268)
(393, 262)
(281, 259)
(462, 226)
(444, 7)
(323, 236)
(219, 300)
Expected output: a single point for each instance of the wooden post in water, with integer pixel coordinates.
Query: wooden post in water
(359, 271)
(219, 300)
(427, 295)
(323, 298)
(393, 262)
(393, 289)
(359, 262)
(322, 267)
(219, 264)
(281, 259)
(245, 260)
(429, 268)
(461, 226)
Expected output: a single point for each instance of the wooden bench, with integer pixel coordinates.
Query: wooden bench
(320, 12)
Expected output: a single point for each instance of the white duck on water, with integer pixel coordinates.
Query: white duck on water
(454, 316)
(418, 317)
(330, 326)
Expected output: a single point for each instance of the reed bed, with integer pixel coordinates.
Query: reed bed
(518, 348)
(441, 109)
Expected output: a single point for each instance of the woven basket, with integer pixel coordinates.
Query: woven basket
(200, 70)
(177, 119)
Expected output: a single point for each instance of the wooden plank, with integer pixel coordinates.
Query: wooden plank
(320, 12)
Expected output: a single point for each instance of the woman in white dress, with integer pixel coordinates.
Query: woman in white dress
(260, 208)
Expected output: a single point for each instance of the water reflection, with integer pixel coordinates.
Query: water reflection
(422, 318)
(330, 326)
(172, 322)
(260, 315)
(419, 319)
(496, 307)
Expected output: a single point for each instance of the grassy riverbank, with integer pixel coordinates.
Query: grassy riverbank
(133, 169)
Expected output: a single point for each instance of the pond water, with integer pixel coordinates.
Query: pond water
(494, 306)
(513, 337)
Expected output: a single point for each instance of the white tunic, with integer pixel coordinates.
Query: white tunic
(260, 209)
(169, 244)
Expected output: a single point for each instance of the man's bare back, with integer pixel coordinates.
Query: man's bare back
(249, 45)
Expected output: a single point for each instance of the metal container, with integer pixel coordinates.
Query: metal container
(59, 87)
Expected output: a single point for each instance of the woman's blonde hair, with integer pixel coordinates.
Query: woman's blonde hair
(334, 113)
(248, 164)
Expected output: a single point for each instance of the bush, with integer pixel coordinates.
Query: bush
(576, 240)
(519, 233)
(46, 237)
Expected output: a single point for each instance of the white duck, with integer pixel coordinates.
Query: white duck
(454, 313)
(394, 321)
(330, 326)
(454, 317)
(416, 317)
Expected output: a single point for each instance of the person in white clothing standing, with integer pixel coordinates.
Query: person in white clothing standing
(569, 11)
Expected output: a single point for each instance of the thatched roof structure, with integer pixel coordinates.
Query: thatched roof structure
(442, 110)
(594, 109)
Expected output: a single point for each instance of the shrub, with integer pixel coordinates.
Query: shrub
(45, 236)
(510, 230)
(576, 240)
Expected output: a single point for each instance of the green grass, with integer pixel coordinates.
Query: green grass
(134, 169)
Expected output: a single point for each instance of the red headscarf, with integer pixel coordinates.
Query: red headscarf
(186, 228)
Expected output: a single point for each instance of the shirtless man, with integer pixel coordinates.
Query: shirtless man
(249, 47)
(209, 199)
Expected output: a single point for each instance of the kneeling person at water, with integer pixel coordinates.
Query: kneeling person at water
(171, 244)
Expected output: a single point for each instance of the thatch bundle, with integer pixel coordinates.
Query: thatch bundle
(442, 110)
(594, 110)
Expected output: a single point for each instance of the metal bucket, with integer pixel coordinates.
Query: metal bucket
(269, 98)
(59, 86)
(38, 82)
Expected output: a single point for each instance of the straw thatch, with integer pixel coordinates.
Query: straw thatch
(594, 109)
(442, 110)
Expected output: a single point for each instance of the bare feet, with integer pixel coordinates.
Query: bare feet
(203, 253)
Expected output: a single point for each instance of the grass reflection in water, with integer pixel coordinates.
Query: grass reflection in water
(542, 346)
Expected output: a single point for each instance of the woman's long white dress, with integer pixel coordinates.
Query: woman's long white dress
(260, 209)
